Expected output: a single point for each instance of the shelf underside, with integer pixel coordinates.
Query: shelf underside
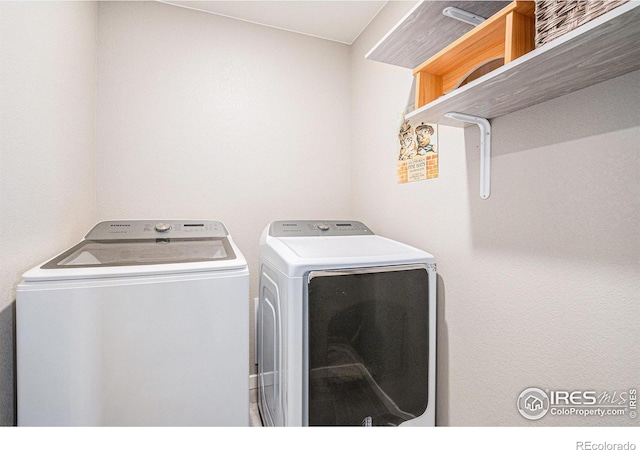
(425, 31)
(602, 49)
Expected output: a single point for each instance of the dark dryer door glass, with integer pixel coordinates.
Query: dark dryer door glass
(368, 345)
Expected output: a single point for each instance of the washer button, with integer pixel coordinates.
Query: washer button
(163, 227)
(323, 226)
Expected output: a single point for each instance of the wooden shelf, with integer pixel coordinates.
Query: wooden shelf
(601, 49)
(507, 35)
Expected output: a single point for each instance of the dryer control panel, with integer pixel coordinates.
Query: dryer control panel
(154, 229)
(289, 228)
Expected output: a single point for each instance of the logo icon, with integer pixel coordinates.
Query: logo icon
(533, 403)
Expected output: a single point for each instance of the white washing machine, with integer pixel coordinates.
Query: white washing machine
(346, 327)
(142, 324)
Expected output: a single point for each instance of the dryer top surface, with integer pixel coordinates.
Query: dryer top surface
(295, 256)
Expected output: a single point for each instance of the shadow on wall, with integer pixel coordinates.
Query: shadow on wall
(8, 405)
(442, 358)
(563, 177)
(603, 108)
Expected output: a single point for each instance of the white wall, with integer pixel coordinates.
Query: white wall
(47, 145)
(205, 117)
(538, 285)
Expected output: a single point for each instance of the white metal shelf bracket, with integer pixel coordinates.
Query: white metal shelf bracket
(485, 149)
(463, 16)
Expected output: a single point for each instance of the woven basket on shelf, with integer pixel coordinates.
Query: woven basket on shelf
(557, 17)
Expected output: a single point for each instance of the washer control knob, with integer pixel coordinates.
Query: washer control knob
(163, 227)
(323, 226)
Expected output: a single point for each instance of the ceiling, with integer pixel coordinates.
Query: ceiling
(340, 21)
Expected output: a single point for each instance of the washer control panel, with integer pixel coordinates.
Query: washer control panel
(287, 228)
(156, 229)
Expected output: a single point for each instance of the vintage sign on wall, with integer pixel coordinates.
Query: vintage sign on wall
(418, 155)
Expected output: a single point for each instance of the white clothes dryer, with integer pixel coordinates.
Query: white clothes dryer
(140, 324)
(346, 327)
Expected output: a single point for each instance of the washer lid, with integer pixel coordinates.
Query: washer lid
(116, 249)
(110, 253)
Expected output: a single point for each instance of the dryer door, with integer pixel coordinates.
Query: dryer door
(368, 345)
